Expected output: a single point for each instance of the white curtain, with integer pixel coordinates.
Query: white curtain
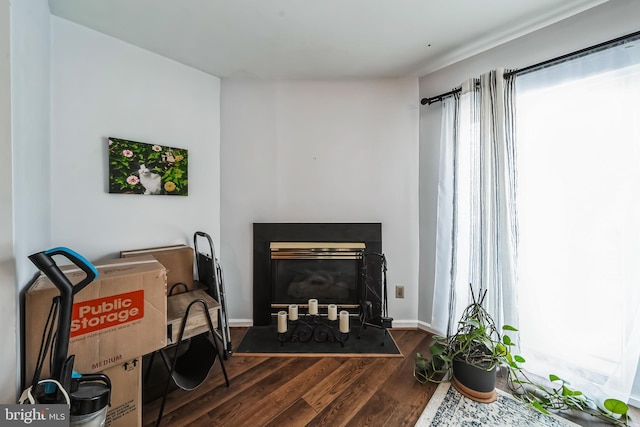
(476, 227)
(579, 214)
(443, 303)
(571, 240)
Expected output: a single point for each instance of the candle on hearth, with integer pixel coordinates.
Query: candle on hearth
(313, 306)
(344, 321)
(293, 312)
(282, 322)
(333, 312)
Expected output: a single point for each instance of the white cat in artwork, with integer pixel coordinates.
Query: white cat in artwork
(150, 180)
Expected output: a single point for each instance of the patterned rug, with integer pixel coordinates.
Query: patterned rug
(448, 408)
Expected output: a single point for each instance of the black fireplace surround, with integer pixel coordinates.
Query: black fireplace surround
(369, 280)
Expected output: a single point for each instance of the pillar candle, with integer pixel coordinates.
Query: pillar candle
(344, 321)
(313, 306)
(293, 312)
(282, 322)
(333, 312)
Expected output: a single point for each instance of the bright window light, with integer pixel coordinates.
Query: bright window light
(579, 218)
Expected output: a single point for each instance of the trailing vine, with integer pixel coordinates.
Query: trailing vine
(478, 342)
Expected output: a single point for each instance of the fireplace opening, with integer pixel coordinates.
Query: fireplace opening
(334, 263)
(327, 271)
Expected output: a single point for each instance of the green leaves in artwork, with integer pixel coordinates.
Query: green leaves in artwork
(141, 168)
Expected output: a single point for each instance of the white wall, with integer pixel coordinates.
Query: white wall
(314, 151)
(8, 299)
(31, 100)
(24, 123)
(103, 87)
(612, 19)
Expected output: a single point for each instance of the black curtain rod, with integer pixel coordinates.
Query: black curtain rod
(578, 53)
(548, 63)
(429, 101)
(439, 98)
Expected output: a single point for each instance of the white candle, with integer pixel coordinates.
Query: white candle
(282, 322)
(313, 306)
(333, 311)
(344, 321)
(293, 312)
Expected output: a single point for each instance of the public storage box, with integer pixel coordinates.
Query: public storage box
(119, 316)
(126, 394)
(177, 259)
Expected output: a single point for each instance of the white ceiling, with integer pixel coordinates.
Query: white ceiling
(317, 39)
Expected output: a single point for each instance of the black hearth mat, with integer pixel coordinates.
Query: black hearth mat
(373, 342)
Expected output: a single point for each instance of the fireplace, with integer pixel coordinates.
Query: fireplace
(326, 271)
(335, 263)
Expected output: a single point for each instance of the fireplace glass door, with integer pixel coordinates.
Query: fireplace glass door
(328, 272)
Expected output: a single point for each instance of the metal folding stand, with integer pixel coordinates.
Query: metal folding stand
(210, 274)
(190, 369)
(366, 306)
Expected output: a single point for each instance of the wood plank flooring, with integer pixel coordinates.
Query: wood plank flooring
(305, 391)
(312, 391)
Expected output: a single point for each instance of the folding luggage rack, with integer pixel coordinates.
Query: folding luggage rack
(190, 367)
(210, 275)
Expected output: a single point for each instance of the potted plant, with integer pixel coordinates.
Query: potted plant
(470, 357)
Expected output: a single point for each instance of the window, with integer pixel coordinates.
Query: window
(578, 145)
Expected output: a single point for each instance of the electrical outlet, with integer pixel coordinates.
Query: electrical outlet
(399, 291)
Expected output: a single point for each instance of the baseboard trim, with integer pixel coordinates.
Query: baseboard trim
(404, 324)
(426, 327)
(240, 323)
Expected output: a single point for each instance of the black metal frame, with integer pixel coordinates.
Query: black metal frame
(210, 274)
(171, 363)
(314, 326)
(367, 316)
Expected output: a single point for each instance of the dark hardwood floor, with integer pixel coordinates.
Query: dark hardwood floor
(312, 391)
(301, 391)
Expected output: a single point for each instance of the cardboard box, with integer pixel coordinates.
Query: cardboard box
(196, 322)
(177, 259)
(119, 316)
(126, 394)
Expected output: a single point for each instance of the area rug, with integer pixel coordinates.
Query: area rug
(448, 408)
(263, 341)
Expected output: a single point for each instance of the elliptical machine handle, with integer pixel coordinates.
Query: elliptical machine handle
(44, 261)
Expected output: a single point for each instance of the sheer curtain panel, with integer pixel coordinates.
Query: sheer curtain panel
(578, 139)
(477, 230)
(446, 230)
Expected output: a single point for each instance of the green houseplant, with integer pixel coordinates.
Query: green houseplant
(481, 349)
(470, 357)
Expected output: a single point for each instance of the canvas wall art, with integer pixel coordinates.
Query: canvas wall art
(151, 169)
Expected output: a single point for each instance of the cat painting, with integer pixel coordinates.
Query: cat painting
(150, 180)
(142, 168)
